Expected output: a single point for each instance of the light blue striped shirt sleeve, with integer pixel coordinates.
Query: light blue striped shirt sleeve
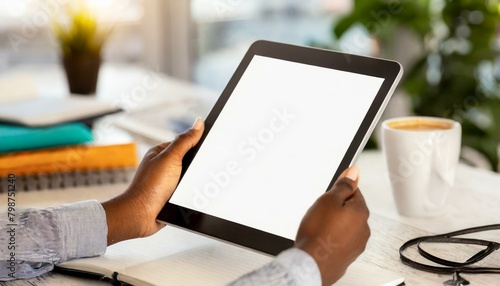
(45, 237)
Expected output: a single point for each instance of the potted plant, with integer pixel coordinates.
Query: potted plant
(80, 41)
(456, 74)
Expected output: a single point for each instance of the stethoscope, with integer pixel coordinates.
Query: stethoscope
(453, 267)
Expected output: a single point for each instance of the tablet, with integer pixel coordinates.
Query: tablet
(290, 120)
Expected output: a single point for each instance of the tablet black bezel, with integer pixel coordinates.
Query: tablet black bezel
(254, 238)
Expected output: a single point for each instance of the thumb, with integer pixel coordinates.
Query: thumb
(185, 141)
(347, 184)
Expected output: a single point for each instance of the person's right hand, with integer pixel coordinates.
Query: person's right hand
(335, 229)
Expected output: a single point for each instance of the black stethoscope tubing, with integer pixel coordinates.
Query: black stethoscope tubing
(450, 267)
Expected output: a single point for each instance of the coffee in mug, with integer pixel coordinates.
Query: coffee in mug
(422, 155)
(420, 124)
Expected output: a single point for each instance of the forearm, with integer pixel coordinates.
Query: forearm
(120, 219)
(291, 267)
(45, 237)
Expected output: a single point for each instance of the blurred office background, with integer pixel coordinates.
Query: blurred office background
(198, 40)
(202, 41)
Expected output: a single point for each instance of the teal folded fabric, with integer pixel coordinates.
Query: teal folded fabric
(17, 138)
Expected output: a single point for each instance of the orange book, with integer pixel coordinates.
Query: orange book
(69, 159)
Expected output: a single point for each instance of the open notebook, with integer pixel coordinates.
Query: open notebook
(177, 257)
(172, 257)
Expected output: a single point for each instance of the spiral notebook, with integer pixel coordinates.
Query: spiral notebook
(71, 166)
(70, 179)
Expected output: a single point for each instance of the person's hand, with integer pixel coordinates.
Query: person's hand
(335, 230)
(133, 214)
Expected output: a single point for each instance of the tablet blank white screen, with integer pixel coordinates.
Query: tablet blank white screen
(276, 144)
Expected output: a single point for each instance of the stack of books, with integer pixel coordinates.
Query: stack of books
(58, 155)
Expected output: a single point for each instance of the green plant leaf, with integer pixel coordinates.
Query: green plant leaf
(445, 80)
(81, 36)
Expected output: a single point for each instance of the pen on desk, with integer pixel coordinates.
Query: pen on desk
(395, 282)
(84, 274)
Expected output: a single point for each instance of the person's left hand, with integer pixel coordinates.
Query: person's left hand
(133, 213)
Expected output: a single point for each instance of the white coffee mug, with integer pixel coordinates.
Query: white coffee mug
(422, 155)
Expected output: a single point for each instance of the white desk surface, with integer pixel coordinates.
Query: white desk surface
(475, 201)
(475, 197)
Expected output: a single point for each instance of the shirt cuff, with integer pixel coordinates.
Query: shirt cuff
(301, 266)
(83, 229)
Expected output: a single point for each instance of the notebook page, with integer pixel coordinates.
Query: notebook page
(218, 263)
(357, 274)
(127, 254)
